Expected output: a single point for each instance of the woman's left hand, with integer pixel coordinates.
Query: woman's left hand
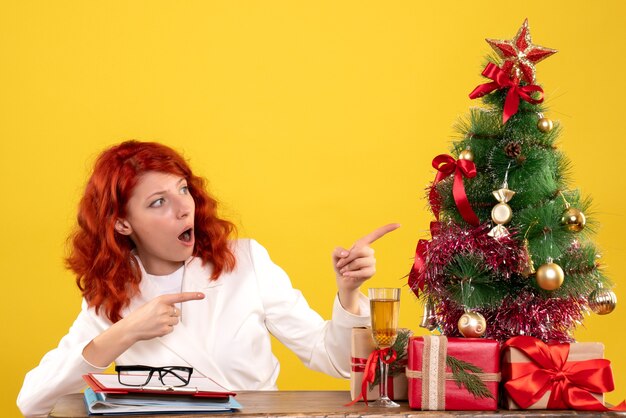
(355, 266)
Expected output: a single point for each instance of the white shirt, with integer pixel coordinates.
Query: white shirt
(225, 336)
(167, 284)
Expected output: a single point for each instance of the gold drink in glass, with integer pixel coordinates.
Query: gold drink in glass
(384, 321)
(385, 311)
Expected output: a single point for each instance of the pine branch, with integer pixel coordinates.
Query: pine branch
(463, 374)
(471, 284)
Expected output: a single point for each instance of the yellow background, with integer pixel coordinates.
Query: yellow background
(314, 121)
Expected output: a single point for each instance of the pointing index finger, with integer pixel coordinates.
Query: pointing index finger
(182, 297)
(375, 234)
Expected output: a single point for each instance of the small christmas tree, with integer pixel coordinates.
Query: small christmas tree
(510, 252)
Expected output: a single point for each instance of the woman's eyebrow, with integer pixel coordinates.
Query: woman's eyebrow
(160, 192)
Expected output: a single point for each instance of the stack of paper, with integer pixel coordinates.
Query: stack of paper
(103, 404)
(106, 396)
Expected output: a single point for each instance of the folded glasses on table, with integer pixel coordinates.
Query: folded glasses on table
(138, 375)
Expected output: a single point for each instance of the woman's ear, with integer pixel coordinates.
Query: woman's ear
(123, 227)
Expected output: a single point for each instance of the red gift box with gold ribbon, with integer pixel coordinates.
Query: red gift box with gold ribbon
(556, 376)
(363, 347)
(454, 374)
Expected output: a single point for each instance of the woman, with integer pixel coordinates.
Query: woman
(163, 285)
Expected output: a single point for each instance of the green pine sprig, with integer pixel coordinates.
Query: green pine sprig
(470, 283)
(463, 374)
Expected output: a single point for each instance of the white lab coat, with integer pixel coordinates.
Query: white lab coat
(225, 336)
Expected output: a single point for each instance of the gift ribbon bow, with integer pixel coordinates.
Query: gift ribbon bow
(570, 383)
(502, 81)
(446, 165)
(386, 355)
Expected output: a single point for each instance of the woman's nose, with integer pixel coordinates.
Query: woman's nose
(185, 206)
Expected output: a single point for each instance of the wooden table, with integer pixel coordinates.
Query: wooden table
(318, 404)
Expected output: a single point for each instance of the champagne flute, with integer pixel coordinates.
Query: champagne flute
(385, 310)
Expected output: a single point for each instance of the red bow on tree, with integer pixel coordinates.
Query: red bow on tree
(446, 165)
(571, 384)
(416, 275)
(502, 81)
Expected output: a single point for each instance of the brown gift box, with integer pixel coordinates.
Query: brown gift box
(362, 346)
(577, 352)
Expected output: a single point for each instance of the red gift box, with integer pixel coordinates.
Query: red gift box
(556, 376)
(433, 383)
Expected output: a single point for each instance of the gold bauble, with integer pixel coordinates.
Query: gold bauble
(472, 325)
(466, 154)
(550, 276)
(573, 219)
(545, 125)
(602, 301)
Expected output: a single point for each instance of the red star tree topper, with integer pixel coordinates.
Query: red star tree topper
(520, 55)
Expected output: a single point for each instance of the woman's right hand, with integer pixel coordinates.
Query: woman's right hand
(157, 317)
(154, 319)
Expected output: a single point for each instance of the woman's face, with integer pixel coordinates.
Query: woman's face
(160, 221)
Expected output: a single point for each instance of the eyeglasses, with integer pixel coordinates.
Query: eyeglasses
(173, 376)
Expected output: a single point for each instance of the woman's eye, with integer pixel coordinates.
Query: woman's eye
(184, 190)
(157, 203)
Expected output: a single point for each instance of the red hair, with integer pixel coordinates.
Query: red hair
(107, 273)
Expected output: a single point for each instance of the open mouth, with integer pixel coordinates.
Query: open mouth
(186, 235)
